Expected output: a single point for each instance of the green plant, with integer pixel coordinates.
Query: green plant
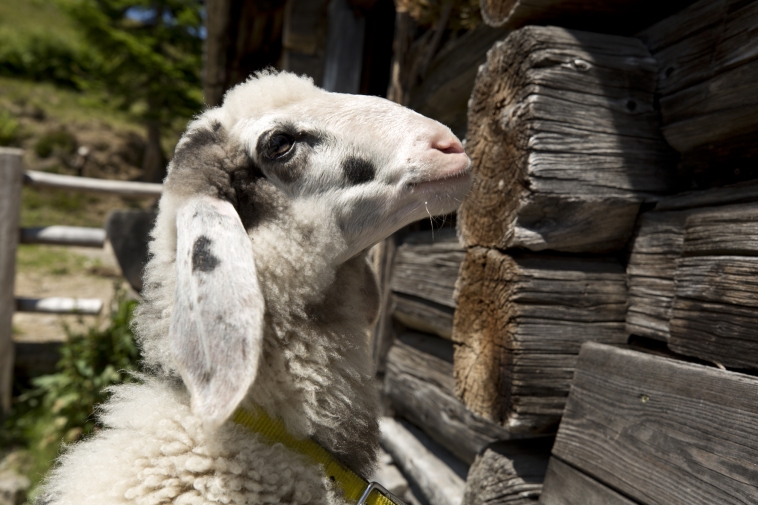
(58, 408)
(9, 128)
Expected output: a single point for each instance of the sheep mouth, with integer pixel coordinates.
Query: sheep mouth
(461, 175)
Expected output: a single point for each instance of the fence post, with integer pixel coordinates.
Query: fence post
(11, 179)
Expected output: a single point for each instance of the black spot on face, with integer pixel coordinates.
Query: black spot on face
(358, 170)
(202, 258)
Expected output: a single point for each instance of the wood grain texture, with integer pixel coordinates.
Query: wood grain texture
(381, 333)
(565, 485)
(420, 386)
(11, 177)
(436, 473)
(564, 141)
(662, 432)
(508, 473)
(520, 322)
(621, 16)
(423, 315)
(427, 267)
(714, 314)
(656, 246)
(708, 68)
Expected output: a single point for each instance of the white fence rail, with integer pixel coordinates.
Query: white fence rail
(12, 177)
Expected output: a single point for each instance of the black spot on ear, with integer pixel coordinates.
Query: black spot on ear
(202, 257)
(358, 170)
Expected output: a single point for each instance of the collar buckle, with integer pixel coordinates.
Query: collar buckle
(381, 489)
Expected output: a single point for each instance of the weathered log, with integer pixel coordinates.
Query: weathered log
(63, 235)
(619, 17)
(654, 428)
(565, 485)
(658, 244)
(708, 72)
(382, 332)
(714, 314)
(650, 273)
(508, 473)
(426, 266)
(11, 174)
(434, 471)
(520, 322)
(564, 141)
(423, 315)
(446, 86)
(420, 386)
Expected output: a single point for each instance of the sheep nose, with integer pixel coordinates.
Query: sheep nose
(448, 145)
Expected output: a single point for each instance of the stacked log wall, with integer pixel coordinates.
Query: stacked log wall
(573, 235)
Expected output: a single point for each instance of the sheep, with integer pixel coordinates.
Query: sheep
(259, 294)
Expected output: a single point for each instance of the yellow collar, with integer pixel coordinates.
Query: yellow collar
(354, 488)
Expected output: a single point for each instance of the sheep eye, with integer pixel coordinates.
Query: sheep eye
(278, 145)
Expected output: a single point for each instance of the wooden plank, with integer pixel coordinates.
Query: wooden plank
(122, 188)
(656, 246)
(565, 485)
(621, 16)
(438, 475)
(508, 473)
(422, 315)
(64, 235)
(708, 67)
(420, 386)
(304, 38)
(60, 305)
(520, 322)
(427, 267)
(11, 176)
(564, 143)
(654, 428)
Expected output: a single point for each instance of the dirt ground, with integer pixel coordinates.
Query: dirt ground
(91, 273)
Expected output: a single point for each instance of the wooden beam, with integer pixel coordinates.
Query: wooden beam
(343, 57)
(11, 177)
(381, 333)
(420, 386)
(708, 70)
(121, 188)
(436, 473)
(660, 431)
(564, 142)
(714, 313)
(621, 16)
(520, 322)
(64, 235)
(565, 485)
(508, 473)
(656, 247)
(60, 305)
(423, 315)
(426, 266)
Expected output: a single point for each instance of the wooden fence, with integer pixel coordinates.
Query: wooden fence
(12, 178)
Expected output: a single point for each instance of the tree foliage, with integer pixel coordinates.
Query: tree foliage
(150, 52)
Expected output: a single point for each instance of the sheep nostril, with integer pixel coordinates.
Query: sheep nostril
(448, 146)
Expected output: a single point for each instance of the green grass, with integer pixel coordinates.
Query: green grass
(47, 207)
(39, 17)
(51, 260)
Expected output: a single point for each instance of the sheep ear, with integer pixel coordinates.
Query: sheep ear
(217, 322)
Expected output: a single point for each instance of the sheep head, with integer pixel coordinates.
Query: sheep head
(280, 158)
